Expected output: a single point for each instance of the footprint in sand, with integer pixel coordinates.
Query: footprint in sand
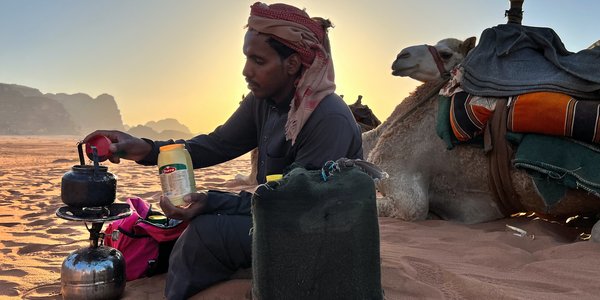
(528, 285)
(13, 192)
(427, 271)
(31, 248)
(33, 215)
(60, 230)
(9, 224)
(63, 160)
(29, 233)
(40, 222)
(13, 272)
(46, 292)
(11, 244)
(8, 288)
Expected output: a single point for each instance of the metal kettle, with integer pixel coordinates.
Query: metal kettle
(88, 185)
(96, 272)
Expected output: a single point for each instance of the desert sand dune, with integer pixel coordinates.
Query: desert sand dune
(430, 259)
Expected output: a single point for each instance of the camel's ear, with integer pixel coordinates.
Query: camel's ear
(467, 45)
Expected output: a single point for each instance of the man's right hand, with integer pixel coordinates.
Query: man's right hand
(123, 145)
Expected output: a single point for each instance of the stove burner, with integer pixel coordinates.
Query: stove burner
(98, 212)
(111, 212)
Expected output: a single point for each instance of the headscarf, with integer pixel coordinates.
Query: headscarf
(307, 36)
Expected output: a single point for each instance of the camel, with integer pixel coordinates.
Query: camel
(426, 180)
(363, 115)
(417, 62)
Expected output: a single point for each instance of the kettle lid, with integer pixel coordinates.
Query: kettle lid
(101, 143)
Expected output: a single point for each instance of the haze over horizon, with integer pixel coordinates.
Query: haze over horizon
(183, 59)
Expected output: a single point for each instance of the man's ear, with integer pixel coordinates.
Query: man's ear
(293, 64)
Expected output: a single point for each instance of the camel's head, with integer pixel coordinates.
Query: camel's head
(430, 63)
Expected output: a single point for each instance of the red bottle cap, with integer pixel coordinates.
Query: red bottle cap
(101, 143)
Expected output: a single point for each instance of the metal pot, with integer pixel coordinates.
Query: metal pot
(93, 273)
(87, 185)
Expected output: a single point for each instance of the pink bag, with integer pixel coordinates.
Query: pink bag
(145, 245)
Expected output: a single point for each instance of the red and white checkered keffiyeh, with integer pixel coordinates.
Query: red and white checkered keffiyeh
(295, 29)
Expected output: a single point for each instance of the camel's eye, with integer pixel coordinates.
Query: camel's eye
(445, 55)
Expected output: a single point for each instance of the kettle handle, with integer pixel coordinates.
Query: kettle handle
(80, 151)
(95, 156)
(96, 163)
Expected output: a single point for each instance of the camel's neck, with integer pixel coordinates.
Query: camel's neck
(416, 99)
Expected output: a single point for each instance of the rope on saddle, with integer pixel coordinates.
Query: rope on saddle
(499, 156)
(375, 172)
(328, 169)
(515, 13)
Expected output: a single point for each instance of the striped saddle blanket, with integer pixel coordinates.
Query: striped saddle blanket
(555, 114)
(546, 113)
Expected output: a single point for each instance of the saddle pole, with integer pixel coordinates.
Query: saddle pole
(515, 13)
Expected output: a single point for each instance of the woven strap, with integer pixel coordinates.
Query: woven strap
(499, 154)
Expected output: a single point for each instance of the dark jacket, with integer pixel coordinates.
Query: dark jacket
(330, 133)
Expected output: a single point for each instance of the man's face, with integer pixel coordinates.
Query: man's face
(266, 73)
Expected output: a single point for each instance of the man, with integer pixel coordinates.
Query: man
(292, 115)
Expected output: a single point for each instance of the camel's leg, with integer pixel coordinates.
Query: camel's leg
(465, 206)
(405, 197)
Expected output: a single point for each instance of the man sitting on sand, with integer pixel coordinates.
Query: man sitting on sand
(292, 115)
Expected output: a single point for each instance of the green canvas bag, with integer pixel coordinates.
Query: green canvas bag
(316, 236)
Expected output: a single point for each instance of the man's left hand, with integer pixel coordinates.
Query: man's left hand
(195, 205)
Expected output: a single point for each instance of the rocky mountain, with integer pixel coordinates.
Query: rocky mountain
(90, 114)
(162, 130)
(168, 124)
(25, 111)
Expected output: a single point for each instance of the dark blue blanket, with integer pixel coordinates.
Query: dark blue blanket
(513, 59)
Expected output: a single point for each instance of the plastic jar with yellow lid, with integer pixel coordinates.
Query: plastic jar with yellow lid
(158, 219)
(176, 173)
(274, 177)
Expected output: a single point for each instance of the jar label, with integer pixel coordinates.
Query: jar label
(166, 169)
(175, 180)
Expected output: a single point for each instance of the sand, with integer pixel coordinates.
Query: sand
(430, 259)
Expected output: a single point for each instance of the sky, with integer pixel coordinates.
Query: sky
(183, 59)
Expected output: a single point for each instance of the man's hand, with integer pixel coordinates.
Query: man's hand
(123, 145)
(196, 203)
